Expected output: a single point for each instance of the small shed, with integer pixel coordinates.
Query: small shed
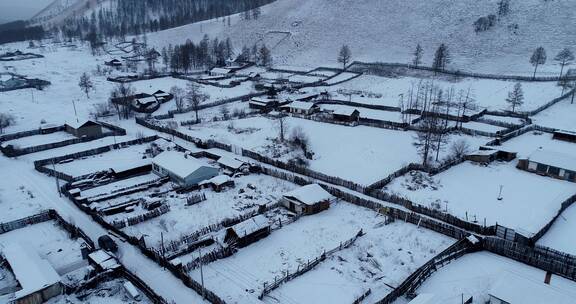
(232, 164)
(84, 128)
(564, 135)
(103, 261)
(301, 107)
(346, 114)
(482, 156)
(182, 169)
(503, 155)
(309, 199)
(145, 100)
(38, 280)
(514, 289)
(550, 163)
(264, 104)
(162, 96)
(248, 231)
(218, 183)
(113, 63)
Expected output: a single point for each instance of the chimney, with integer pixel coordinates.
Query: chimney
(548, 277)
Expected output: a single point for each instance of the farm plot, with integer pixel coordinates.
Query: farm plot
(470, 191)
(117, 159)
(41, 139)
(489, 94)
(361, 154)
(561, 236)
(527, 143)
(473, 125)
(49, 241)
(241, 276)
(476, 274)
(248, 194)
(504, 119)
(367, 113)
(382, 258)
(560, 116)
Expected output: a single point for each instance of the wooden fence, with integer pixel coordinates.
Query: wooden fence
(269, 287)
(131, 221)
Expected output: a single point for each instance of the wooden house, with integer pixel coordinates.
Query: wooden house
(218, 183)
(346, 114)
(182, 169)
(482, 156)
(232, 165)
(306, 200)
(162, 96)
(553, 164)
(37, 279)
(113, 63)
(86, 128)
(263, 104)
(248, 231)
(221, 72)
(300, 107)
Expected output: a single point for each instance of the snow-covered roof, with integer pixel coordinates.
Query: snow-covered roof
(230, 162)
(301, 105)
(513, 288)
(263, 101)
(32, 272)
(178, 164)
(146, 100)
(250, 225)
(309, 194)
(103, 259)
(220, 71)
(80, 123)
(555, 159)
(483, 152)
(347, 111)
(219, 180)
(424, 298)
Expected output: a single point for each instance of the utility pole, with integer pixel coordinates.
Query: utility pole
(75, 113)
(56, 177)
(201, 272)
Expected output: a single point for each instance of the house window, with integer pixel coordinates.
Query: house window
(554, 171)
(570, 175)
(541, 168)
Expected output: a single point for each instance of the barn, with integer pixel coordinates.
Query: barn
(248, 231)
(300, 107)
(306, 200)
(38, 280)
(553, 164)
(86, 128)
(514, 289)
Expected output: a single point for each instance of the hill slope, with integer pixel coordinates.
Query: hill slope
(388, 30)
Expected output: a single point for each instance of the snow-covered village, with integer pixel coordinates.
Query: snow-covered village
(288, 151)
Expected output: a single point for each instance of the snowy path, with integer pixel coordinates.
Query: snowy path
(162, 281)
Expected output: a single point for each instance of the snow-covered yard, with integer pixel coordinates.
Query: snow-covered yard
(527, 143)
(470, 191)
(559, 116)
(361, 154)
(240, 278)
(37, 140)
(367, 113)
(476, 275)
(108, 292)
(561, 236)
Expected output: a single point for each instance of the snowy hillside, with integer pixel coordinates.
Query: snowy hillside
(389, 30)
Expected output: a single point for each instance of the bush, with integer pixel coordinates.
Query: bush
(6, 120)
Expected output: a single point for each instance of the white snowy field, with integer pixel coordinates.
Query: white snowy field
(49, 241)
(470, 191)
(240, 277)
(383, 257)
(184, 220)
(367, 113)
(41, 139)
(475, 274)
(505, 119)
(361, 154)
(561, 236)
(489, 94)
(528, 143)
(559, 116)
(474, 125)
(316, 35)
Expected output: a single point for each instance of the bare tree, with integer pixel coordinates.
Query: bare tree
(195, 97)
(515, 97)
(122, 93)
(85, 84)
(265, 57)
(344, 56)
(417, 59)
(565, 57)
(459, 148)
(281, 125)
(6, 120)
(538, 58)
(179, 97)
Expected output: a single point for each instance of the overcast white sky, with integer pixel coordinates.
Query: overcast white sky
(11, 10)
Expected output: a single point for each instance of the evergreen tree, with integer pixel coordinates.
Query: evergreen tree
(515, 97)
(344, 56)
(417, 59)
(441, 58)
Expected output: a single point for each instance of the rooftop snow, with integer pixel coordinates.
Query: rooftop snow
(79, 123)
(309, 194)
(32, 272)
(177, 163)
(299, 105)
(146, 100)
(250, 225)
(513, 288)
(555, 159)
(230, 162)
